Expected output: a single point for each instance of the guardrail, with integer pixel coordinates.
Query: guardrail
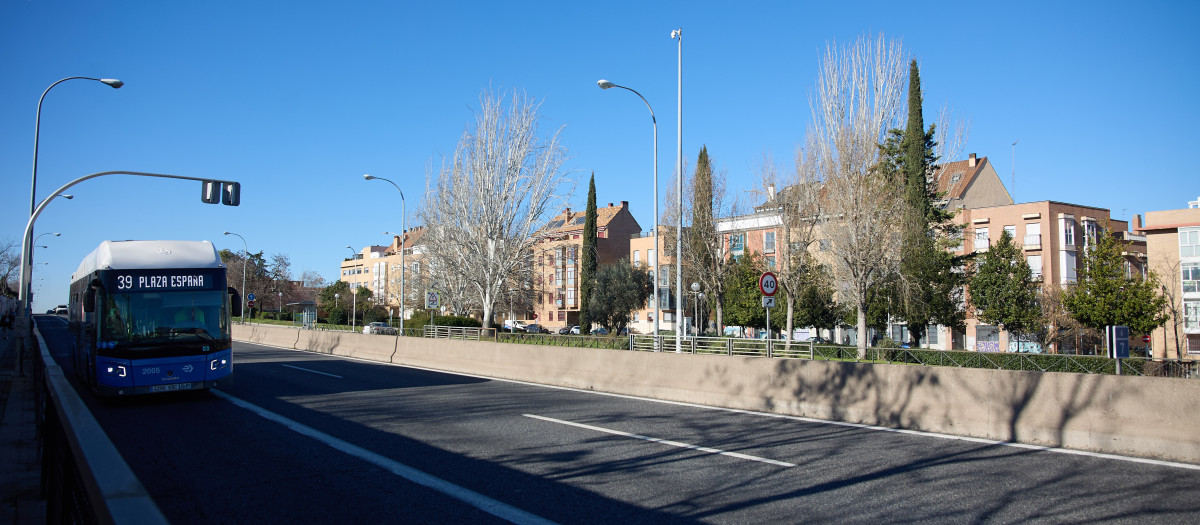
(85, 479)
(458, 332)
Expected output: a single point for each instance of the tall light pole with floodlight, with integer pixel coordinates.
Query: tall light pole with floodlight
(403, 241)
(245, 263)
(604, 84)
(678, 35)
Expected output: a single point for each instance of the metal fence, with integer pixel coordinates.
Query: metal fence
(778, 348)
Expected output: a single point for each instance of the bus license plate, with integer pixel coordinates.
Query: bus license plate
(171, 387)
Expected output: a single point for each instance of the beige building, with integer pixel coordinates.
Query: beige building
(1173, 241)
(377, 268)
(641, 254)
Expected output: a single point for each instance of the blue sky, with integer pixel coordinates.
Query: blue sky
(296, 100)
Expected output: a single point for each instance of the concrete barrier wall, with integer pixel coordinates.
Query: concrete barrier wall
(1140, 416)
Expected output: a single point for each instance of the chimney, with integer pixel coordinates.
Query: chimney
(624, 204)
(610, 205)
(1137, 222)
(971, 161)
(567, 211)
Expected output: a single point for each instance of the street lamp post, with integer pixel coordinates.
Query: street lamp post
(353, 294)
(678, 34)
(696, 305)
(604, 84)
(245, 263)
(403, 241)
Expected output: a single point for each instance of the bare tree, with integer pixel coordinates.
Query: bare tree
(859, 98)
(1171, 284)
(10, 264)
(487, 202)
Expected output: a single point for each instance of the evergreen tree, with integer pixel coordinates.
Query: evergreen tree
(620, 289)
(927, 288)
(1003, 291)
(587, 273)
(1105, 296)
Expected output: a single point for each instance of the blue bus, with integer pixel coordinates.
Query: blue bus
(151, 316)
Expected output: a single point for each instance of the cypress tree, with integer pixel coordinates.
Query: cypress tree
(587, 273)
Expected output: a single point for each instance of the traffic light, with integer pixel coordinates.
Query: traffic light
(225, 192)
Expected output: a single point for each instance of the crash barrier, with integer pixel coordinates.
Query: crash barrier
(1139, 416)
(84, 478)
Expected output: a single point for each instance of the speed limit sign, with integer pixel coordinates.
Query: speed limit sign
(767, 284)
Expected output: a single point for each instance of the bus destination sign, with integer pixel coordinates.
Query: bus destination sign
(162, 280)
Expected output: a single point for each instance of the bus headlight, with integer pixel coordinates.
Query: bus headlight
(117, 370)
(217, 364)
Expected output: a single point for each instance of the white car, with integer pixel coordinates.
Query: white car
(379, 327)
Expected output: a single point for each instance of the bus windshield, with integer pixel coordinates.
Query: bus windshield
(166, 317)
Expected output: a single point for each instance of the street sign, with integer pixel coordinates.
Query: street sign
(250, 297)
(767, 284)
(768, 301)
(250, 304)
(535, 316)
(1117, 341)
(431, 299)
(1145, 339)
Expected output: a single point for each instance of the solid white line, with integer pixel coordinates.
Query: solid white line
(314, 371)
(984, 441)
(664, 441)
(496, 508)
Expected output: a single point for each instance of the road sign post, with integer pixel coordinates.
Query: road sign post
(768, 285)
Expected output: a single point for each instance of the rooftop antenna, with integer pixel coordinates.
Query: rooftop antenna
(1013, 184)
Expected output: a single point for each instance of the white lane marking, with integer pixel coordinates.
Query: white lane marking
(314, 371)
(983, 441)
(664, 441)
(496, 508)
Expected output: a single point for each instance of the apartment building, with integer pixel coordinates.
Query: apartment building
(642, 255)
(1173, 241)
(377, 268)
(963, 185)
(1053, 237)
(558, 257)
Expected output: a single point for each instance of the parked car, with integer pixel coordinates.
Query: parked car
(564, 330)
(511, 326)
(629, 330)
(575, 329)
(379, 327)
(536, 329)
(600, 331)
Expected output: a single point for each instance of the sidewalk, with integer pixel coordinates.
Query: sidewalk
(20, 463)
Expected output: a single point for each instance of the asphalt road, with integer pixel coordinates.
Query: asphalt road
(310, 438)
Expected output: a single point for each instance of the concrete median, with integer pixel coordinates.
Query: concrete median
(1139, 416)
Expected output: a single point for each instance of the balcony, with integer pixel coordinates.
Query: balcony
(1033, 242)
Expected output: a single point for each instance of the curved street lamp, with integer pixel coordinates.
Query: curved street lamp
(245, 260)
(37, 124)
(604, 84)
(403, 241)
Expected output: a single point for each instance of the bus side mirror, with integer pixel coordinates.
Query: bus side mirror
(235, 302)
(89, 297)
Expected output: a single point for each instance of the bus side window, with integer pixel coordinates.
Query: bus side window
(89, 298)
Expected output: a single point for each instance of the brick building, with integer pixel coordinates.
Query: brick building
(558, 256)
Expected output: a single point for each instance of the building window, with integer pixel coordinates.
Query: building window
(1191, 277)
(1033, 234)
(771, 262)
(1068, 232)
(570, 297)
(1191, 315)
(1035, 266)
(558, 278)
(570, 276)
(572, 252)
(562, 316)
(635, 317)
(1090, 230)
(931, 334)
(1011, 231)
(737, 243)
(650, 258)
(1068, 267)
(769, 242)
(1189, 242)
(637, 259)
(981, 239)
